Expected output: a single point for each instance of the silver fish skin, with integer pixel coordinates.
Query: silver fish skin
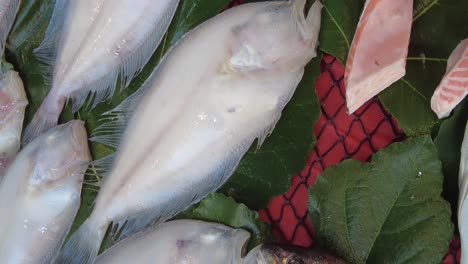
(180, 241)
(463, 198)
(40, 195)
(13, 102)
(89, 44)
(190, 128)
(8, 10)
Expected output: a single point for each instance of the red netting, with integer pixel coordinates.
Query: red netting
(339, 136)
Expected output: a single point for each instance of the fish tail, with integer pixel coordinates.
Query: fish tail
(83, 246)
(45, 118)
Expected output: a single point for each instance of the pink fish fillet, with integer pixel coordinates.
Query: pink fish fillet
(454, 85)
(377, 57)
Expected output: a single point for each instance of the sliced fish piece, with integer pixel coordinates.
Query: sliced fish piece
(40, 195)
(462, 200)
(377, 57)
(90, 44)
(188, 129)
(454, 85)
(8, 10)
(13, 101)
(180, 241)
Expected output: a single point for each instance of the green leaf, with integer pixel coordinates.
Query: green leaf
(266, 172)
(439, 25)
(225, 210)
(387, 211)
(339, 22)
(448, 142)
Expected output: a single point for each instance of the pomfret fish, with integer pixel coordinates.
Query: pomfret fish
(40, 195)
(13, 101)
(463, 198)
(197, 242)
(220, 88)
(89, 44)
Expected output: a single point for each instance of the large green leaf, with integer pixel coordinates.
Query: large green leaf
(439, 25)
(448, 142)
(387, 211)
(225, 210)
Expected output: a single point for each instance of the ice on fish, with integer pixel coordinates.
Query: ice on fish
(197, 242)
(189, 129)
(462, 200)
(377, 57)
(13, 101)
(90, 44)
(40, 195)
(180, 241)
(454, 85)
(8, 10)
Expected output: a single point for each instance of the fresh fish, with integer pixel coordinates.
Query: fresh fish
(220, 88)
(377, 57)
(98, 41)
(40, 195)
(180, 241)
(13, 101)
(454, 85)
(197, 242)
(8, 10)
(463, 199)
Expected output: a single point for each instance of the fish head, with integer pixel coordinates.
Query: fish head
(62, 155)
(277, 37)
(275, 254)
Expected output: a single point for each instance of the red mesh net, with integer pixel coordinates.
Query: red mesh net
(339, 136)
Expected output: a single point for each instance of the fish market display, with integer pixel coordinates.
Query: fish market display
(98, 41)
(8, 10)
(377, 57)
(454, 85)
(13, 101)
(189, 128)
(191, 241)
(462, 200)
(40, 195)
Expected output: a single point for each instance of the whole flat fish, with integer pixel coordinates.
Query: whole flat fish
(13, 101)
(189, 128)
(197, 242)
(377, 57)
(454, 85)
(98, 41)
(463, 199)
(40, 195)
(8, 10)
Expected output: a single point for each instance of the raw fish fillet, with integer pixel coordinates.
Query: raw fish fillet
(8, 10)
(40, 195)
(189, 128)
(89, 44)
(377, 57)
(197, 242)
(13, 101)
(462, 200)
(454, 85)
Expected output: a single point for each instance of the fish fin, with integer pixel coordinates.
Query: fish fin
(196, 192)
(99, 168)
(83, 246)
(313, 21)
(6, 22)
(267, 131)
(130, 66)
(462, 200)
(45, 118)
(46, 53)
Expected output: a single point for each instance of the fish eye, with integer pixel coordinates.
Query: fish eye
(295, 260)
